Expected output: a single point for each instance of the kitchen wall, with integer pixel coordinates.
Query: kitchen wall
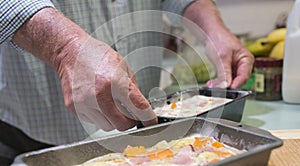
(256, 17)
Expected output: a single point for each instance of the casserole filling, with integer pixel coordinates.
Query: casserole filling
(192, 150)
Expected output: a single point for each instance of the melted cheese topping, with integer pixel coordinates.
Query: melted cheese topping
(190, 107)
(193, 150)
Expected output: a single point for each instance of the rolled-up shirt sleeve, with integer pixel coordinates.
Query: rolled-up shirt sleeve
(174, 9)
(14, 13)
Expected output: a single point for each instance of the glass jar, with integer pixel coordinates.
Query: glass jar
(268, 77)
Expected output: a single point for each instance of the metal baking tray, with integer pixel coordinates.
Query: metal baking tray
(232, 110)
(258, 143)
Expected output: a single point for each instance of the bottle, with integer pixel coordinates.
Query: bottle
(291, 62)
(268, 76)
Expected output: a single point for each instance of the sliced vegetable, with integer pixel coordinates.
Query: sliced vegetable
(218, 144)
(201, 142)
(160, 154)
(223, 154)
(118, 160)
(134, 151)
(213, 161)
(173, 105)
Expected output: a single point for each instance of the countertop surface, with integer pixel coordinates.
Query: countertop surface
(288, 154)
(271, 115)
(282, 120)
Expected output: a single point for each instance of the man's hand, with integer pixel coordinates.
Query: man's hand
(97, 83)
(232, 60)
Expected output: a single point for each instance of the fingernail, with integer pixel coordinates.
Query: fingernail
(209, 84)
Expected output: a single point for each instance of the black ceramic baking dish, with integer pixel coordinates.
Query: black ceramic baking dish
(258, 143)
(232, 110)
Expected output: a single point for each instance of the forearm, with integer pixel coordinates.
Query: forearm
(50, 36)
(205, 14)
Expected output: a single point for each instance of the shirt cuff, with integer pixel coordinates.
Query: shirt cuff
(16, 13)
(174, 10)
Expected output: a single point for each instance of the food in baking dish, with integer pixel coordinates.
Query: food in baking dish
(190, 107)
(192, 150)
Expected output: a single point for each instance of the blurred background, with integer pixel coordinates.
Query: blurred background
(249, 20)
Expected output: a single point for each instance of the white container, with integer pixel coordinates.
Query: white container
(291, 62)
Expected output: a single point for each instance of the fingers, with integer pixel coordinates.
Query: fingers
(218, 83)
(222, 63)
(106, 115)
(106, 93)
(135, 104)
(140, 106)
(113, 114)
(132, 102)
(94, 117)
(240, 75)
(243, 69)
(224, 76)
(233, 65)
(88, 110)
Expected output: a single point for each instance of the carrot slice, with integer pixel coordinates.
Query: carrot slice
(223, 154)
(118, 160)
(200, 142)
(218, 144)
(160, 154)
(213, 161)
(173, 105)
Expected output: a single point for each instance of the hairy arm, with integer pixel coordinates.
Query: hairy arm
(232, 60)
(50, 36)
(97, 83)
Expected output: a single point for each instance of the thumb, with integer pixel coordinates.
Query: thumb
(223, 68)
(140, 106)
(224, 77)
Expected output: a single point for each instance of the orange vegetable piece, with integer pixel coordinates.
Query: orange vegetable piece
(213, 161)
(218, 144)
(223, 154)
(160, 154)
(200, 142)
(118, 160)
(173, 105)
(134, 151)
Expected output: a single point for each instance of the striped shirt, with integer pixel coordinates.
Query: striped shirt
(30, 91)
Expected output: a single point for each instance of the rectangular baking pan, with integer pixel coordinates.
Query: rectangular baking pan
(258, 143)
(231, 111)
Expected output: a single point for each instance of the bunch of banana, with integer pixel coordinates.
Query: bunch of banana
(272, 45)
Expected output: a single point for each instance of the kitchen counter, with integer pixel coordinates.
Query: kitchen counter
(283, 121)
(271, 115)
(288, 154)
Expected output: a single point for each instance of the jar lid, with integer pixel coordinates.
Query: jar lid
(268, 62)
